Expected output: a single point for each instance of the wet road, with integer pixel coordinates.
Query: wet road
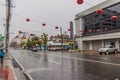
(67, 66)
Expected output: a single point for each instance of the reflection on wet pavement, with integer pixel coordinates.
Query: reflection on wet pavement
(59, 66)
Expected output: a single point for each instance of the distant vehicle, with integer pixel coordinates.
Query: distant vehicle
(54, 48)
(59, 47)
(34, 49)
(108, 49)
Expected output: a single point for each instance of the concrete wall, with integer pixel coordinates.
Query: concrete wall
(96, 44)
(86, 45)
(102, 36)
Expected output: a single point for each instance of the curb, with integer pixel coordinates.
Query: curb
(22, 68)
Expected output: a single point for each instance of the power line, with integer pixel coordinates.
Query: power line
(36, 21)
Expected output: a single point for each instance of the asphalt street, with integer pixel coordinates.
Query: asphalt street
(55, 65)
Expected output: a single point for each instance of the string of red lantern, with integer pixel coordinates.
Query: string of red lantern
(99, 11)
(43, 24)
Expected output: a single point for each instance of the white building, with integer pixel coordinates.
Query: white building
(99, 30)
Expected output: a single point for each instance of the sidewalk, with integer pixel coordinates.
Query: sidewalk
(6, 70)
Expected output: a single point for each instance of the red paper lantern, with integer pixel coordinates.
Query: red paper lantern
(16, 36)
(98, 30)
(28, 20)
(31, 34)
(99, 11)
(80, 30)
(80, 1)
(89, 30)
(106, 29)
(56, 27)
(76, 35)
(43, 24)
(114, 18)
(20, 32)
(52, 36)
(69, 29)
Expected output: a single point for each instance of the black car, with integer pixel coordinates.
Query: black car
(34, 49)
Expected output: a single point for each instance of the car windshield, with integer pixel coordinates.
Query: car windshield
(109, 46)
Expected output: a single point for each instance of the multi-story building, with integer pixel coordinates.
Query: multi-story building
(98, 29)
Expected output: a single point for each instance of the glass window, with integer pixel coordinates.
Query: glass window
(103, 21)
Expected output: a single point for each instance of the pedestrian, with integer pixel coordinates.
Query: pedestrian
(2, 55)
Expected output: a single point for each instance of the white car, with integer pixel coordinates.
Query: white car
(108, 49)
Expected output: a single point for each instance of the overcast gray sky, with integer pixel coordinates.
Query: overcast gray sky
(51, 12)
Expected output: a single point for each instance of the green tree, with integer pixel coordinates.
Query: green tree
(1, 37)
(45, 39)
(29, 43)
(23, 44)
(40, 43)
(35, 41)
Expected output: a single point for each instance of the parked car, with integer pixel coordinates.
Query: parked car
(108, 49)
(34, 49)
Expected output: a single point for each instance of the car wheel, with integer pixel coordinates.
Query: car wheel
(107, 52)
(100, 53)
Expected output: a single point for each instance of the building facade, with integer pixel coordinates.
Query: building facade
(99, 29)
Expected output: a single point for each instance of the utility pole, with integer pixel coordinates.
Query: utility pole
(8, 5)
(61, 39)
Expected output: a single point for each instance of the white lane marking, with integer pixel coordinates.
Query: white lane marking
(36, 69)
(18, 63)
(88, 60)
(103, 58)
(54, 62)
(30, 78)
